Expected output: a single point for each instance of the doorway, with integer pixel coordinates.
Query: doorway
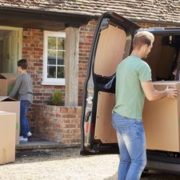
(10, 48)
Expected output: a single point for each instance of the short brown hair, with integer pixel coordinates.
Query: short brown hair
(22, 63)
(142, 38)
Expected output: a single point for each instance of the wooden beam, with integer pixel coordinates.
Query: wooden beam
(71, 66)
(40, 19)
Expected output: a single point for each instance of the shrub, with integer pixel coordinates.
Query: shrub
(56, 98)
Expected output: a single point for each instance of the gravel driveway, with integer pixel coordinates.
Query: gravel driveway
(66, 164)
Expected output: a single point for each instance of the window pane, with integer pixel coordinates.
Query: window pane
(51, 57)
(60, 43)
(51, 72)
(60, 58)
(60, 72)
(51, 42)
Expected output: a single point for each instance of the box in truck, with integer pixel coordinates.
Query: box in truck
(7, 81)
(161, 120)
(112, 43)
(7, 134)
(11, 105)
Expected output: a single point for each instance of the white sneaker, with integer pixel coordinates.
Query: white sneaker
(22, 139)
(29, 134)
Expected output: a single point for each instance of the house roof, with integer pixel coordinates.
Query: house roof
(143, 10)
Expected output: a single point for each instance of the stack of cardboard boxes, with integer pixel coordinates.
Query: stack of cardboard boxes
(9, 119)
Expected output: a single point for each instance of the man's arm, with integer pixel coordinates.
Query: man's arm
(152, 94)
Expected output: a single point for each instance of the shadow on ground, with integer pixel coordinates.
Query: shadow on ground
(47, 155)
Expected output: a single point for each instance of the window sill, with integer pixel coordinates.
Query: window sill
(54, 83)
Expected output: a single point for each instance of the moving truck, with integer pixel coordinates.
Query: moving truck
(112, 43)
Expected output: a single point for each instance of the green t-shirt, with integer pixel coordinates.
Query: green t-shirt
(129, 93)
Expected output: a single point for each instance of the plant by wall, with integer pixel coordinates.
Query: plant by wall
(56, 98)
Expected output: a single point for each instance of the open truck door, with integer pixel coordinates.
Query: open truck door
(111, 44)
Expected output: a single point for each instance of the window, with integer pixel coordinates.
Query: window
(54, 53)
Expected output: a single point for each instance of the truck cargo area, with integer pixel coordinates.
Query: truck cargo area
(163, 59)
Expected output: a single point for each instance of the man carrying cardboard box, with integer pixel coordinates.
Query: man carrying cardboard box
(133, 84)
(23, 89)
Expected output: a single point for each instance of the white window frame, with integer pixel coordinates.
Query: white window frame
(46, 80)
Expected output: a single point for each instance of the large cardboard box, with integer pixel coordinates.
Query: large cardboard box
(11, 105)
(161, 121)
(7, 81)
(7, 140)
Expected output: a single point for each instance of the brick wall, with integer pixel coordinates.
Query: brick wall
(86, 37)
(32, 50)
(58, 123)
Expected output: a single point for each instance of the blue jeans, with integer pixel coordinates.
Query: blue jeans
(24, 123)
(132, 147)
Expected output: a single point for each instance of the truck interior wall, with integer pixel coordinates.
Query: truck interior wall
(154, 57)
(161, 60)
(110, 50)
(104, 130)
(166, 62)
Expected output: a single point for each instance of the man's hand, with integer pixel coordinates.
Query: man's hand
(152, 94)
(172, 92)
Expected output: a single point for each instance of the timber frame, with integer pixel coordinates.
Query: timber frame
(40, 19)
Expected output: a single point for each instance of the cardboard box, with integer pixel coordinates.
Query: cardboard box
(7, 81)
(7, 140)
(11, 105)
(161, 121)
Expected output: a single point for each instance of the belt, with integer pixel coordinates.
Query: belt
(29, 93)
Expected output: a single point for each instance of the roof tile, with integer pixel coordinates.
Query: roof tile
(149, 10)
